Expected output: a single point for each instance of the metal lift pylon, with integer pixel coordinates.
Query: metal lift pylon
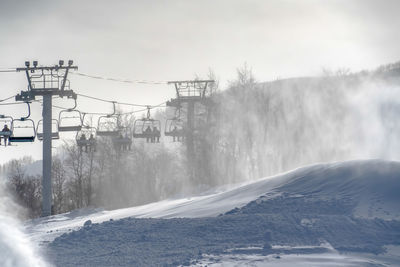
(46, 82)
(190, 93)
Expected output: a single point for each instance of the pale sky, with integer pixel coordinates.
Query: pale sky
(172, 40)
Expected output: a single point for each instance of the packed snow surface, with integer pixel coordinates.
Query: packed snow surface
(353, 206)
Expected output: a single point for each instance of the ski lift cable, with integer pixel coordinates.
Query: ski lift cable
(159, 105)
(129, 104)
(14, 103)
(119, 103)
(59, 107)
(101, 77)
(8, 98)
(109, 101)
(95, 98)
(119, 80)
(132, 112)
(99, 113)
(147, 108)
(8, 70)
(92, 113)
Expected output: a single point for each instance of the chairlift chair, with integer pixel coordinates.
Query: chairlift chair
(108, 125)
(69, 120)
(140, 126)
(123, 140)
(86, 138)
(145, 128)
(54, 130)
(23, 129)
(174, 127)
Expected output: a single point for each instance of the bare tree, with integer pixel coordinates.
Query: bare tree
(25, 188)
(58, 178)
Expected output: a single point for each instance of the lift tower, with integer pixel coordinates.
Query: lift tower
(190, 93)
(46, 82)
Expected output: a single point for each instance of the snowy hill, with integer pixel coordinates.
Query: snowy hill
(371, 188)
(350, 205)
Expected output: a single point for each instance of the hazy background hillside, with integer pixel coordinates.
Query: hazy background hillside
(251, 130)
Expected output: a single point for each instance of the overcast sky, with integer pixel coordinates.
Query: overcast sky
(171, 40)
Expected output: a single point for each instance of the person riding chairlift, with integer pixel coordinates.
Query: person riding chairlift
(119, 144)
(83, 138)
(175, 133)
(6, 137)
(156, 135)
(128, 145)
(148, 134)
(92, 143)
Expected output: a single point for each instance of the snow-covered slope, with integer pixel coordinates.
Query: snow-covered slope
(46, 229)
(369, 187)
(316, 212)
(372, 186)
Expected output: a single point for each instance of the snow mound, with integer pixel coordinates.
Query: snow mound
(372, 186)
(370, 189)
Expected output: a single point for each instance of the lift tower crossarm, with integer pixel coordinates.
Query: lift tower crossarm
(191, 89)
(56, 67)
(29, 70)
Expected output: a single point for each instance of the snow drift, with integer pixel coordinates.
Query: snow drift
(371, 186)
(350, 205)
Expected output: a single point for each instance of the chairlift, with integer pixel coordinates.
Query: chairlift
(123, 142)
(86, 138)
(23, 129)
(147, 128)
(6, 131)
(54, 130)
(108, 125)
(174, 127)
(70, 120)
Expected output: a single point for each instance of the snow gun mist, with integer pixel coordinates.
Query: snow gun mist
(15, 248)
(266, 128)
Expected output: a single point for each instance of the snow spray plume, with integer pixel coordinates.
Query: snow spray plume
(268, 128)
(15, 248)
